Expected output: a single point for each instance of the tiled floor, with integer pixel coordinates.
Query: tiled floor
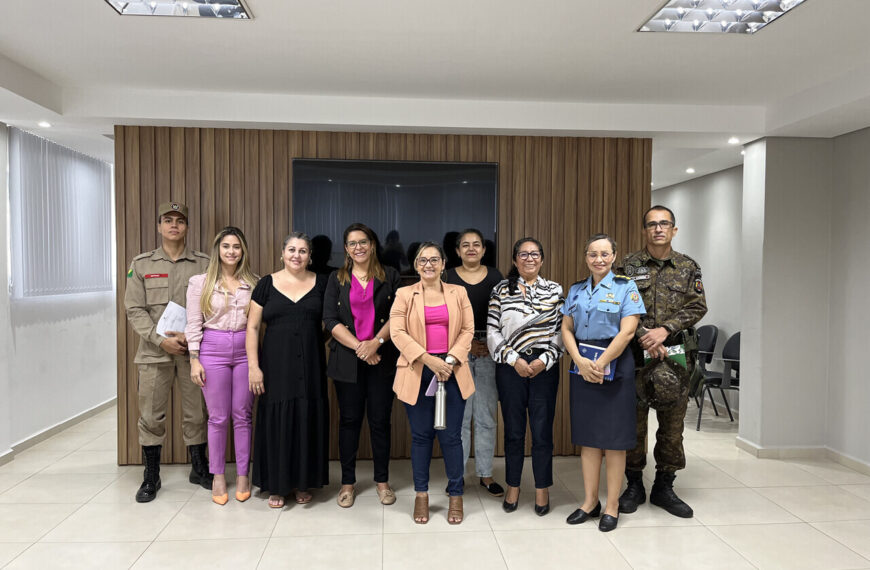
(65, 504)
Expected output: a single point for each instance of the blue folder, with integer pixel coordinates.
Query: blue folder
(592, 352)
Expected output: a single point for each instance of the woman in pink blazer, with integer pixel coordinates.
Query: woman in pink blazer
(432, 324)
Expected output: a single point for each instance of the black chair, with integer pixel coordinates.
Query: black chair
(728, 379)
(707, 336)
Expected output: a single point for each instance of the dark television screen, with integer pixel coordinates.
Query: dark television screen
(405, 203)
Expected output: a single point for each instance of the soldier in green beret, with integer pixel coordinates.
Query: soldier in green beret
(673, 293)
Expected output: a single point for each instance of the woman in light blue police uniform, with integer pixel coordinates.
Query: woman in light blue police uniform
(602, 310)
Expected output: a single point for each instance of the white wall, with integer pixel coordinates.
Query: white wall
(709, 218)
(58, 352)
(848, 407)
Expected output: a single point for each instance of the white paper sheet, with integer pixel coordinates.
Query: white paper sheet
(174, 318)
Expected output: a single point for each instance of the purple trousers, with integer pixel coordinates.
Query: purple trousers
(222, 355)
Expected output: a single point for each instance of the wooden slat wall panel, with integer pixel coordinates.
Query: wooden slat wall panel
(559, 190)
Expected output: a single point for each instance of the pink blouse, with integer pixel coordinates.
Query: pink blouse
(362, 307)
(437, 321)
(228, 310)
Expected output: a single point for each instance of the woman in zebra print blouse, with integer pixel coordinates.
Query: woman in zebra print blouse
(523, 337)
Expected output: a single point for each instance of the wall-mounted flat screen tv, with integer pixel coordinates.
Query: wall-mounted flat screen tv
(405, 203)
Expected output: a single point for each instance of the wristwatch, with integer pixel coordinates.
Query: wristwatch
(380, 340)
(450, 360)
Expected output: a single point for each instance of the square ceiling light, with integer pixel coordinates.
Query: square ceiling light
(718, 16)
(233, 9)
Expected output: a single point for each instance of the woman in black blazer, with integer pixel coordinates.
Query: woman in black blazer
(362, 359)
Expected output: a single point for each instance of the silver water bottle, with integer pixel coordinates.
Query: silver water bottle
(440, 407)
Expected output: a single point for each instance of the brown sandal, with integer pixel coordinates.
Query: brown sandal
(454, 510)
(421, 509)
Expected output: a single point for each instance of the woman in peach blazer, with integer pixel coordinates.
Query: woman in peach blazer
(432, 324)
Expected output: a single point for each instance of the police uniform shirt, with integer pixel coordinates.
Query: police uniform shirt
(597, 311)
(153, 280)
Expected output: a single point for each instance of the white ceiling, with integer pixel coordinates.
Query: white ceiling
(555, 67)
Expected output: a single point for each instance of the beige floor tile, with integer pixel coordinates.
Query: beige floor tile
(398, 518)
(212, 554)
(325, 517)
(11, 479)
(650, 515)
(32, 461)
(360, 552)
(84, 555)
(832, 472)
(9, 550)
(27, 523)
(552, 548)
(767, 473)
(57, 488)
(88, 462)
(206, 520)
(96, 424)
(107, 441)
(175, 488)
(854, 534)
(793, 546)
(711, 449)
(734, 506)
(674, 548)
(437, 551)
(862, 491)
(698, 474)
(66, 441)
(819, 504)
(120, 522)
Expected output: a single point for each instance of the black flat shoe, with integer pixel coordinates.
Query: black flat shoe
(510, 507)
(493, 488)
(607, 523)
(541, 510)
(581, 516)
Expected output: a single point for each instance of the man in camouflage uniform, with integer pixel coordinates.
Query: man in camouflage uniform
(155, 278)
(672, 291)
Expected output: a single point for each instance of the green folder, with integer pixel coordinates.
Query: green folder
(677, 353)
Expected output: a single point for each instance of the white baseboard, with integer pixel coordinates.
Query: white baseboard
(57, 428)
(812, 452)
(7, 456)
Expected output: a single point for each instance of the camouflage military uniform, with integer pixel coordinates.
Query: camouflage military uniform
(673, 294)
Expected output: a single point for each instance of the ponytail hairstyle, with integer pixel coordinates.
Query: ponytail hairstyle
(375, 269)
(213, 273)
(513, 275)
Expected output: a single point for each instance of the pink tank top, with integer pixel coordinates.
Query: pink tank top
(437, 320)
(362, 307)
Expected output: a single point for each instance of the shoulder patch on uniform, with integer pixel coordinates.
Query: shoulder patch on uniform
(699, 286)
(130, 272)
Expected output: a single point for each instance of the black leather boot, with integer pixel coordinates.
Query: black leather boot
(662, 495)
(199, 474)
(151, 483)
(634, 494)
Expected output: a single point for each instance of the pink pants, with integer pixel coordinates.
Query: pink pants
(222, 354)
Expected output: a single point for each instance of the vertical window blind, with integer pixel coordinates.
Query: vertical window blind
(61, 219)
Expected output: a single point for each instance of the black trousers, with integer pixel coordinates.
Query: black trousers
(372, 396)
(537, 397)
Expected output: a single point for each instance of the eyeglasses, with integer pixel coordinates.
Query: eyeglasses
(664, 224)
(604, 255)
(524, 255)
(423, 262)
(354, 244)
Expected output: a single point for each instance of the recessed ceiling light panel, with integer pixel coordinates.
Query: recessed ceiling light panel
(718, 16)
(231, 9)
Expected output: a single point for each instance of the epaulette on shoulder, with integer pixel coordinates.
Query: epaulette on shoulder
(145, 255)
(200, 254)
(695, 263)
(621, 278)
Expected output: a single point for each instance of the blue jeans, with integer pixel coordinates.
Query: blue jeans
(421, 416)
(482, 407)
(537, 396)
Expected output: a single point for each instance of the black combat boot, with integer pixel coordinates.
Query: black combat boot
(199, 474)
(662, 495)
(634, 494)
(151, 484)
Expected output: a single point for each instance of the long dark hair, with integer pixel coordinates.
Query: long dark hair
(375, 269)
(513, 275)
